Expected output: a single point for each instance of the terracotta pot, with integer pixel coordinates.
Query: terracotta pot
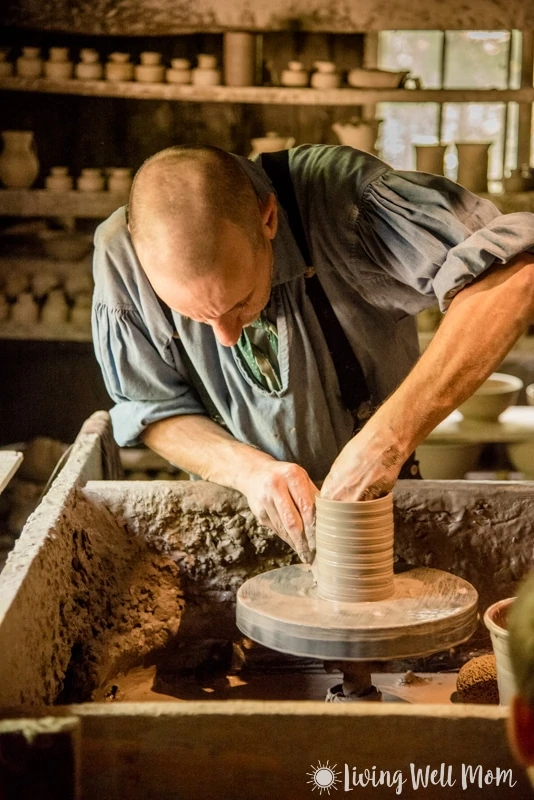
(239, 58)
(473, 165)
(429, 158)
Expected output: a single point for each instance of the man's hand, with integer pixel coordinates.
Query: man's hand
(282, 497)
(367, 467)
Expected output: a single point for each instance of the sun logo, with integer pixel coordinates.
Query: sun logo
(324, 777)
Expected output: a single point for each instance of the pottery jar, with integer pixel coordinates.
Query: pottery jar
(120, 179)
(180, 71)
(358, 133)
(150, 58)
(119, 67)
(89, 68)
(55, 309)
(59, 180)
(149, 73)
(6, 67)
(326, 76)
(58, 67)
(91, 180)
(294, 75)
(25, 309)
(15, 283)
(206, 73)
(30, 63)
(19, 166)
(239, 58)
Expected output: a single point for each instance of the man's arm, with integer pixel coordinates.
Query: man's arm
(482, 324)
(280, 494)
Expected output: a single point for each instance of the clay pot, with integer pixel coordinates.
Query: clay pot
(326, 76)
(429, 158)
(447, 461)
(294, 75)
(375, 78)
(495, 620)
(58, 70)
(270, 143)
(119, 68)
(239, 58)
(89, 68)
(473, 165)
(25, 310)
(180, 71)
(30, 64)
(55, 311)
(360, 134)
(59, 180)
(120, 179)
(19, 166)
(149, 72)
(91, 180)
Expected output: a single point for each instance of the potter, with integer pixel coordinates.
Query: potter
(264, 396)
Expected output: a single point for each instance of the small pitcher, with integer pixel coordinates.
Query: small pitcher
(19, 165)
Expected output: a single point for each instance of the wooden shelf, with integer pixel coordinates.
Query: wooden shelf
(275, 95)
(40, 331)
(43, 203)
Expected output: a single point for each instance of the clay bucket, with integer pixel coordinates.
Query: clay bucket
(354, 556)
(495, 620)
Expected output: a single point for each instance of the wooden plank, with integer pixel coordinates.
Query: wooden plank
(41, 331)
(40, 758)
(43, 203)
(10, 461)
(261, 750)
(278, 95)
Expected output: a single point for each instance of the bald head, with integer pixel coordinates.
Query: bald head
(181, 200)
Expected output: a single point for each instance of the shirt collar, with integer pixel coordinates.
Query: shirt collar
(288, 261)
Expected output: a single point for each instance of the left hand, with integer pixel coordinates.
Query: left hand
(367, 467)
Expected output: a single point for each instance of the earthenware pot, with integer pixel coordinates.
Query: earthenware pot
(30, 63)
(59, 180)
(19, 166)
(360, 134)
(294, 75)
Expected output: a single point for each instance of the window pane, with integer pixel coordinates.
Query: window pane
(403, 125)
(477, 59)
(417, 51)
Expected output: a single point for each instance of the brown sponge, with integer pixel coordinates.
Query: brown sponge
(477, 681)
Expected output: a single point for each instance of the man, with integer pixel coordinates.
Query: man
(521, 642)
(209, 238)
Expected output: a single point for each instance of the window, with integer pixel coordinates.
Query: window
(452, 60)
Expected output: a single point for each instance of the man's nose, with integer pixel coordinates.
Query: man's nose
(227, 332)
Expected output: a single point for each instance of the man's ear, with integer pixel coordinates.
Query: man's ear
(521, 731)
(269, 214)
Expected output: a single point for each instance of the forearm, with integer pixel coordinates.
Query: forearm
(200, 446)
(482, 324)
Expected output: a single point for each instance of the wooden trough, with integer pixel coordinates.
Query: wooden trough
(109, 573)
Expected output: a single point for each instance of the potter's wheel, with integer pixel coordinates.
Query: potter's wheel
(430, 610)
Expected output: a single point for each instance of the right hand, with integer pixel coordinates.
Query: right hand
(282, 497)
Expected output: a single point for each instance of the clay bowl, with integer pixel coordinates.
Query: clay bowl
(530, 394)
(65, 246)
(447, 460)
(492, 398)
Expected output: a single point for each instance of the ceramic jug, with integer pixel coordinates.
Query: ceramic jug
(360, 134)
(19, 166)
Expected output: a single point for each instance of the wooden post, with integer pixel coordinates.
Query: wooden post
(525, 109)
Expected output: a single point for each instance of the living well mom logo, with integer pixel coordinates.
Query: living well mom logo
(327, 778)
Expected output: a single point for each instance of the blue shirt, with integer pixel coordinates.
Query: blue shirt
(385, 245)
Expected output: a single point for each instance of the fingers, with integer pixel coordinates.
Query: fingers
(286, 506)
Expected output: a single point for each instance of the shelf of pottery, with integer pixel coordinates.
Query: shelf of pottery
(233, 81)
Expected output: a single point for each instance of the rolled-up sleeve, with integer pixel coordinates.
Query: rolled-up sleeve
(144, 384)
(433, 235)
